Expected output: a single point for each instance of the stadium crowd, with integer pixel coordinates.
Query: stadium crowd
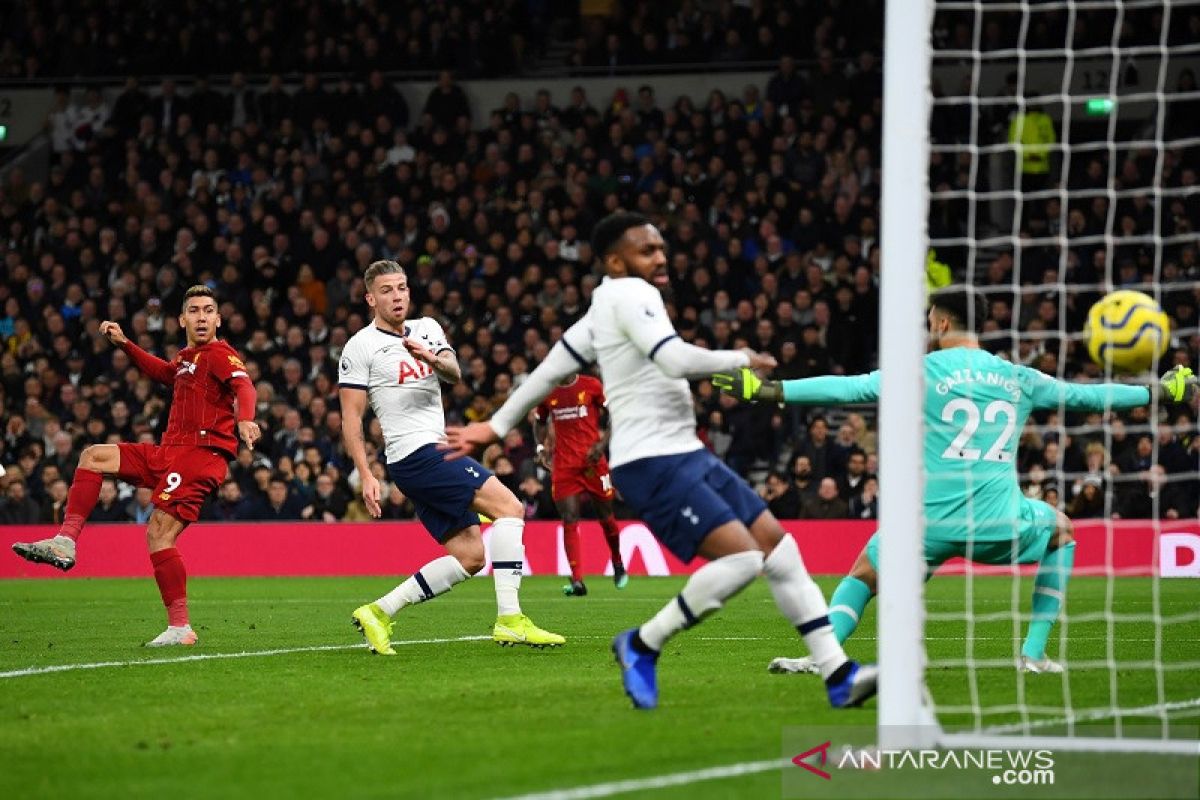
(278, 201)
(99, 37)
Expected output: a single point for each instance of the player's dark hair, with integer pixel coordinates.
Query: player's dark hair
(967, 307)
(199, 290)
(609, 231)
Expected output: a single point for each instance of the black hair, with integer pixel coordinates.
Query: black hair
(965, 305)
(609, 231)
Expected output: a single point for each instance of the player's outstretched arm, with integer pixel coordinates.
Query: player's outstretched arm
(1048, 392)
(644, 322)
(153, 366)
(567, 356)
(748, 387)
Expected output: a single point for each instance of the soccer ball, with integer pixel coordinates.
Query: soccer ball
(1127, 331)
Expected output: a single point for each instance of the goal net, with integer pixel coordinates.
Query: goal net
(1061, 145)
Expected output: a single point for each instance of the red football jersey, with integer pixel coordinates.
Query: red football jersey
(574, 411)
(203, 405)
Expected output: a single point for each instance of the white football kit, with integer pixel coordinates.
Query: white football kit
(644, 366)
(404, 392)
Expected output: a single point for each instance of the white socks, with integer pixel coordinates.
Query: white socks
(508, 561)
(433, 579)
(802, 603)
(705, 592)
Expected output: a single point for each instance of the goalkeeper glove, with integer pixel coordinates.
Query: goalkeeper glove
(1179, 384)
(748, 387)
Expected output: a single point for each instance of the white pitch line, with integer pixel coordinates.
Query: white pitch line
(1097, 714)
(655, 781)
(21, 673)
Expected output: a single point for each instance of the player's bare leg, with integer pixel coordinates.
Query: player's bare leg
(1049, 590)
(612, 536)
(465, 557)
(95, 462)
(171, 577)
(802, 603)
(495, 501)
(734, 560)
(845, 608)
(568, 511)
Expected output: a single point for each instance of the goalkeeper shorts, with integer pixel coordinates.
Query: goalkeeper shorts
(1038, 520)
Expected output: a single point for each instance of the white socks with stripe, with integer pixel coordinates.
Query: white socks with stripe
(801, 601)
(705, 592)
(508, 562)
(433, 579)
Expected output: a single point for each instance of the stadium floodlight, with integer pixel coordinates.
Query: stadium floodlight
(1109, 103)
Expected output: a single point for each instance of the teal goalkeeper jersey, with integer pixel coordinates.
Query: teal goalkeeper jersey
(976, 405)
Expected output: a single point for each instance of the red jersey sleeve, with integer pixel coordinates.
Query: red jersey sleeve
(228, 365)
(542, 412)
(151, 365)
(229, 369)
(597, 388)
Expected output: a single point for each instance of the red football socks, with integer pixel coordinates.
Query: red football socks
(172, 584)
(571, 545)
(81, 499)
(612, 535)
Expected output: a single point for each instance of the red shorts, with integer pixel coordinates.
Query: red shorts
(182, 476)
(593, 479)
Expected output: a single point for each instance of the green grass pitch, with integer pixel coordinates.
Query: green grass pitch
(465, 718)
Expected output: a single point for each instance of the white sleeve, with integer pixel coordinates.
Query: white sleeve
(573, 352)
(678, 359)
(644, 322)
(354, 371)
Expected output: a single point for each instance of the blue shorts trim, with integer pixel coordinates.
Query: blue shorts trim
(684, 497)
(441, 491)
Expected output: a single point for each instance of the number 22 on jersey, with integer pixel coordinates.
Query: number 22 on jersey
(969, 413)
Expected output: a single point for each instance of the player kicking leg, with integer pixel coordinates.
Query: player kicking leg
(181, 477)
(95, 462)
(696, 505)
(1045, 538)
(449, 496)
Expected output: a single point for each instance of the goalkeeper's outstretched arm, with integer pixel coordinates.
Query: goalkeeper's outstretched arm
(1177, 385)
(746, 386)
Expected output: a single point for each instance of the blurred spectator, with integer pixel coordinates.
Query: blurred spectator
(329, 502)
(1089, 503)
(280, 504)
(109, 508)
(538, 503)
(816, 447)
(230, 505)
(17, 507)
(783, 500)
(852, 483)
(802, 477)
(55, 504)
(447, 101)
(140, 506)
(825, 504)
(865, 505)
